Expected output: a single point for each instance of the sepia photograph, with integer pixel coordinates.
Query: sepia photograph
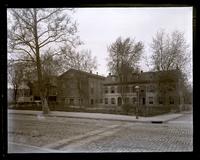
(100, 80)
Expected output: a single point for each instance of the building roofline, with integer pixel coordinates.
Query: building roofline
(84, 72)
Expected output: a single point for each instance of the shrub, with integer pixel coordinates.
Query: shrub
(126, 108)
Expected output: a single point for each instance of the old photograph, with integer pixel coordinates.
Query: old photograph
(106, 79)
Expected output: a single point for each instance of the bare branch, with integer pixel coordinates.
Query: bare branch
(22, 49)
(49, 15)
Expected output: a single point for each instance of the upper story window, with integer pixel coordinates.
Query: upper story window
(106, 90)
(119, 89)
(112, 89)
(151, 88)
(150, 100)
(127, 89)
(92, 90)
(133, 88)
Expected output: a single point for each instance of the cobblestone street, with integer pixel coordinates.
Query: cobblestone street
(88, 135)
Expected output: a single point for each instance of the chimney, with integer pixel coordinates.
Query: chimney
(90, 71)
(97, 73)
(109, 74)
(141, 71)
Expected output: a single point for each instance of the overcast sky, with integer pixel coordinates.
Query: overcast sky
(99, 27)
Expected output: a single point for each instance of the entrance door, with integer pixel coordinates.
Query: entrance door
(119, 101)
(143, 101)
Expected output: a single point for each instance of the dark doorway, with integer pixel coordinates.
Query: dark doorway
(119, 101)
(143, 101)
(92, 101)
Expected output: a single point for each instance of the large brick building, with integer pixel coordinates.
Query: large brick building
(156, 89)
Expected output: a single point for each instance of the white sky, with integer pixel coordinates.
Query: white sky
(99, 27)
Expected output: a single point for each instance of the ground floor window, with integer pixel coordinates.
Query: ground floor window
(119, 101)
(71, 101)
(171, 100)
(126, 100)
(160, 100)
(80, 101)
(150, 100)
(112, 100)
(36, 98)
(91, 101)
(52, 98)
(134, 100)
(106, 100)
(101, 101)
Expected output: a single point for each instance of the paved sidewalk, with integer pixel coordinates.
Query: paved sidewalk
(98, 116)
(24, 148)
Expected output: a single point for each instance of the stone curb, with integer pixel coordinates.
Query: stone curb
(102, 118)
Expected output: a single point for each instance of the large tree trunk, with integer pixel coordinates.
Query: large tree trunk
(41, 85)
(15, 95)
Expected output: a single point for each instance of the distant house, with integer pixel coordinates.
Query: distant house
(23, 94)
(77, 87)
(10, 95)
(50, 85)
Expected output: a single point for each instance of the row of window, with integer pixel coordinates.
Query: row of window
(161, 100)
(134, 100)
(92, 101)
(127, 100)
(127, 89)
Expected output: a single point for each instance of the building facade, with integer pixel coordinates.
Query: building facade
(77, 87)
(155, 89)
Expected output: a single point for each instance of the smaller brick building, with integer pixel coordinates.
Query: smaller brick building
(77, 87)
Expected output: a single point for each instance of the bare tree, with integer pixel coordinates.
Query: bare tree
(123, 59)
(79, 60)
(33, 31)
(15, 76)
(169, 51)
